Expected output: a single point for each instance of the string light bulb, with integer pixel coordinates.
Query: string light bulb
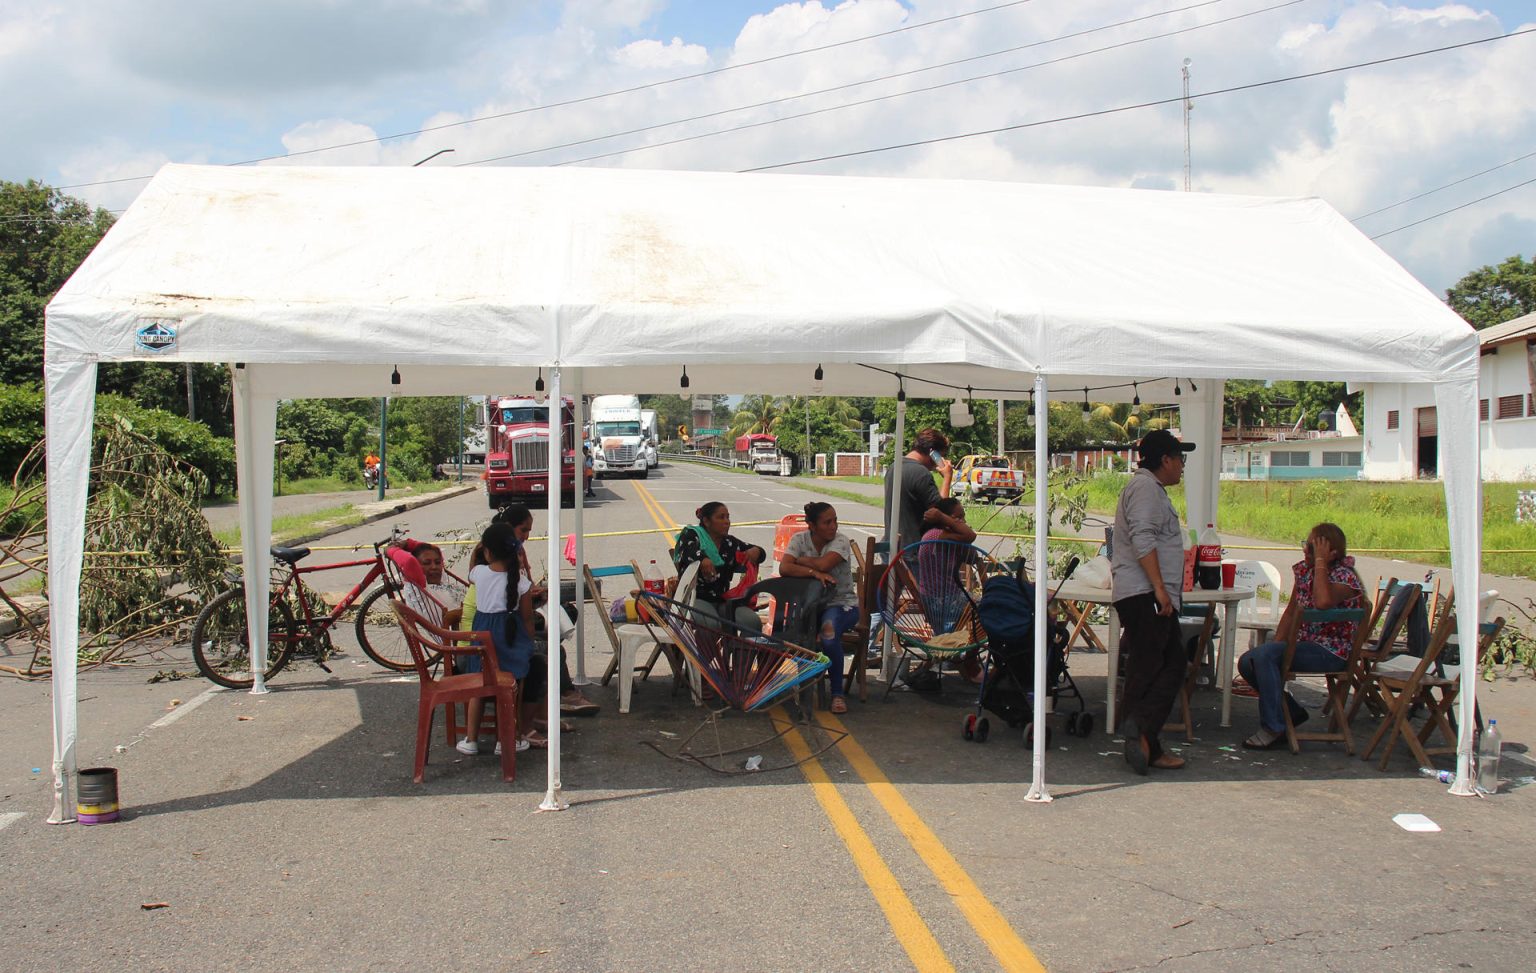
(1136, 396)
(816, 380)
(538, 388)
(394, 377)
(1086, 408)
(1192, 386)
(901, 390)
(1176, 389)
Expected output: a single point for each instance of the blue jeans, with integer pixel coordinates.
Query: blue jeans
(835, 620)
(1261, 667)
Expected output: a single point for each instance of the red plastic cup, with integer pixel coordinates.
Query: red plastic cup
(1229, 574)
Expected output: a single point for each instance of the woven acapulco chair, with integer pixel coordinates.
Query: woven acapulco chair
(748, 672)
(927, 597)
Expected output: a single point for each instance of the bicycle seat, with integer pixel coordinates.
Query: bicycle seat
(290, 555)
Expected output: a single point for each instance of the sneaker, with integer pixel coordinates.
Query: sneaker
(467, 747)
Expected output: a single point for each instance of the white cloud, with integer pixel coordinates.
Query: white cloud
(305, 138)
(648, 54)
(311, 76)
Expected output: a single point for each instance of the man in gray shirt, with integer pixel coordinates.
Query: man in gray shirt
(1148, 573)
(919, 496)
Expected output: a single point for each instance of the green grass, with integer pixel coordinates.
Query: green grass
(1397, 519)
(295, 525)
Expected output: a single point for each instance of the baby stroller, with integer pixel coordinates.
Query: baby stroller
(1007, 612)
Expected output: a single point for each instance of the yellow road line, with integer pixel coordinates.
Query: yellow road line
(658, 513)
(908, 925)
(994, 930)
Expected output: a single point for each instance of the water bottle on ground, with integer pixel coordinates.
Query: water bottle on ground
(1488, 759)
(1443, 776)
(1208, 558)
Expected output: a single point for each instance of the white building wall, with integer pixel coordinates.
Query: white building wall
(1508, 445)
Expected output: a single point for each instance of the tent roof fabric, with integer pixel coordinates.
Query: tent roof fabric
(639, 271)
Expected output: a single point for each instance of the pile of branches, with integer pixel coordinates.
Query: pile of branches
(150, 558)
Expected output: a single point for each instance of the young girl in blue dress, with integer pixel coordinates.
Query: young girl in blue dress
(500, 589)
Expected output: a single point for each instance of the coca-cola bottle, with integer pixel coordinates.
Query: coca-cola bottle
(653, 579)
(1208, 559)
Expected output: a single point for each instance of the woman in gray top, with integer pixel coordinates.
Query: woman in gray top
(824, 554)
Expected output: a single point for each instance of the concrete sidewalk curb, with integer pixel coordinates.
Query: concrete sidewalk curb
(373, 512)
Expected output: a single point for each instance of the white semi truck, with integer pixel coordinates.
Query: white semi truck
(616, 431)
(649, 434)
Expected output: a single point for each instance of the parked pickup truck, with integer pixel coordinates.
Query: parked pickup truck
(988, 477)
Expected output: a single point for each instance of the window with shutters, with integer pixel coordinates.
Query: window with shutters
(1341, 458)
(1290, 457)
(1392, 419)
(1511, 407)
(1482, 410)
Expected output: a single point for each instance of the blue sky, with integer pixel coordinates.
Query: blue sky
(97, 92)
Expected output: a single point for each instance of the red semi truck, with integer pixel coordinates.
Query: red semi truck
(517, 449)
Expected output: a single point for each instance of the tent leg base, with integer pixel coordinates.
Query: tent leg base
(553, 801)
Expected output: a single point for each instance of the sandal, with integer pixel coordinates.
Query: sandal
(535, 740)
(839, 705)
(1259, 742)
(565, 726)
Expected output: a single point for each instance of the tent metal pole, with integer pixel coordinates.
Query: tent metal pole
(553, 801)
(892, 526)
(1000, 438)
(1038, 794)
(579, 677)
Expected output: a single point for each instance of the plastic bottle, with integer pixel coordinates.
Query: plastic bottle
(1443, 776)
(1208, 558)
(652, 579)
(1488, 759)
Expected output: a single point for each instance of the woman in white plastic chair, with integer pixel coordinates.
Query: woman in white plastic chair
(824, 554)
(1325, 578)
(721, 557)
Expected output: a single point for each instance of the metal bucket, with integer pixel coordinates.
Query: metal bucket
(96, 795)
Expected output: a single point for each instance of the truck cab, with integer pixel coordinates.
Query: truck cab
(517, 449)
(616, 433)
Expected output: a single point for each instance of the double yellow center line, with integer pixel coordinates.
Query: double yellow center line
(911, 931)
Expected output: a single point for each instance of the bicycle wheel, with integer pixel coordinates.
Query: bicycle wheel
(379, 634)
(221, 646)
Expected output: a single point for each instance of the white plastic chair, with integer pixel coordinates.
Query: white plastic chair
(634, 636)
(1254, 615)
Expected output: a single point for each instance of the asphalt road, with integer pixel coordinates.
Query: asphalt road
(283, 832)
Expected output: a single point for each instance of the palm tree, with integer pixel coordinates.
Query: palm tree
(757, 413)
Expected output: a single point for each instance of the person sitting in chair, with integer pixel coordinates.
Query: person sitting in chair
(825, 554)
(720, 556)
(1325, 578)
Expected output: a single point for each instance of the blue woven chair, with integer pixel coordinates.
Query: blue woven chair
(927, 597)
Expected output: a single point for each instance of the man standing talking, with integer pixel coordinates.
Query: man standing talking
(913, 475)
(1148, 571)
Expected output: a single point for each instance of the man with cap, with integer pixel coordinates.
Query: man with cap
(1148, 572)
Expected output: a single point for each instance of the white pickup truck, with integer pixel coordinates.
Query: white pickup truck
(987, 477)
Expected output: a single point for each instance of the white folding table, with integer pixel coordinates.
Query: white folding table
(1226, 661)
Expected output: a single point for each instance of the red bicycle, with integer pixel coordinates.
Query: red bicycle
(221, 645)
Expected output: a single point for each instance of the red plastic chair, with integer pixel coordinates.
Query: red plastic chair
(426, 641)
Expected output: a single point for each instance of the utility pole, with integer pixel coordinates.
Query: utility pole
(191, 395)
(1188, 107)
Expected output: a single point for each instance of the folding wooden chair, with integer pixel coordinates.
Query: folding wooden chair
(1079, 615)
(1436, 695)
(856, 640)
(1335, 684)
(1394, 602)
(1197, 655)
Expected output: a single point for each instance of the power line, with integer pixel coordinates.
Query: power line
(1437, 189)
(935, 87)
(844, 87)
(606, 94)
(1146, 104)
(1453, 209)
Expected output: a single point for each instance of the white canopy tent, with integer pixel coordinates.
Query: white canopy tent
(323, 281)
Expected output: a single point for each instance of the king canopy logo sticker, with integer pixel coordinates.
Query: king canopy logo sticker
(155, 336)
